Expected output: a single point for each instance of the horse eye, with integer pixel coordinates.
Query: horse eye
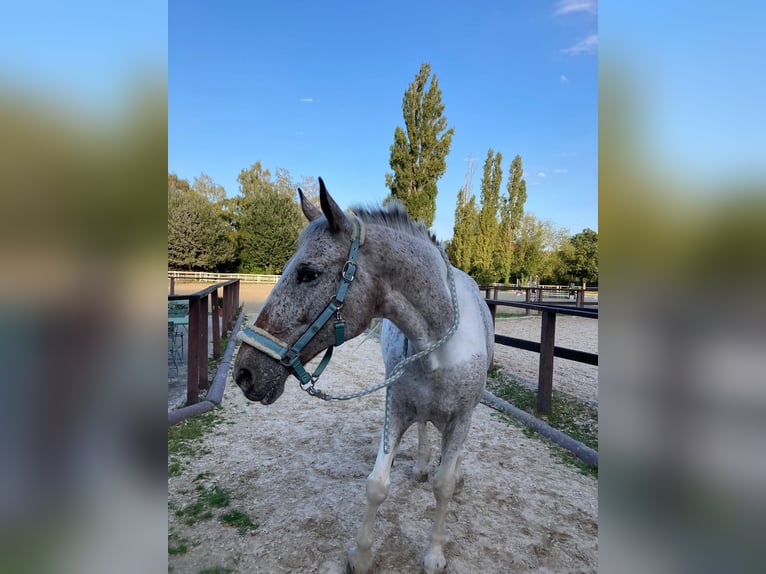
(306, 275)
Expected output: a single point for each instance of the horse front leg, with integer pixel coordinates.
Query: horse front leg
(420, 470)
(359, 560)
(444, 484)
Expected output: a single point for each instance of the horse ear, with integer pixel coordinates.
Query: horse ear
(334, 214)
(309, 209)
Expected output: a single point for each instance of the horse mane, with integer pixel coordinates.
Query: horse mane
(395, 216)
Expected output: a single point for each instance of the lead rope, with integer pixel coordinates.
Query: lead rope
(399, 369)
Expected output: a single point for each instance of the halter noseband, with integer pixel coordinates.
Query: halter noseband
(289, 356)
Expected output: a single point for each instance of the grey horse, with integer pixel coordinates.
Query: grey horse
(399, 274)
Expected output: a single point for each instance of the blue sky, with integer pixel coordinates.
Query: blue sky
(316, 88)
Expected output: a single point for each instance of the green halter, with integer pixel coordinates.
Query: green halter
(289, 356)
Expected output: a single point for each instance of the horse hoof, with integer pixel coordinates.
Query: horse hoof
(358, 562)
(434, 563)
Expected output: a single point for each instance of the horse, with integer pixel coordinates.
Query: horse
(378, 263)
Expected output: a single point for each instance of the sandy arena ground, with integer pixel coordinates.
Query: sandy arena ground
(298, 468)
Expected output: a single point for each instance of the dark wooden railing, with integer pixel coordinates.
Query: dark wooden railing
(555, 294)
(200, 305)
(546, 347)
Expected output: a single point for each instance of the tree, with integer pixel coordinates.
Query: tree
(198, 236)
(536, 241)
(268, 220)
(418, 154)
(175, 184)
(484, 268)
(461, 248)
(511, 214)
(582, 258)
(206, 187)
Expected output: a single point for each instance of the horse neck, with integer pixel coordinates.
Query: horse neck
(413, 276)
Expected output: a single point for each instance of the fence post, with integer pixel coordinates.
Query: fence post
(172, 285)
(545, 376)
(527, 299)
(204, 383)
(216, 324)
(581, 297)
(492, 311)
(192, 373)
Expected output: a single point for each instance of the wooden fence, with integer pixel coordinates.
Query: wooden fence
(205, 277)
(556, 294)
(546, 347)
(201, 304)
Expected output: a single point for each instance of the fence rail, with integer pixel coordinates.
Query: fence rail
(206, 277)
(206, 303)
(556, 294)
(546, 346)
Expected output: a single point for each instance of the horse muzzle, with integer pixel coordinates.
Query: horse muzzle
(260, 378)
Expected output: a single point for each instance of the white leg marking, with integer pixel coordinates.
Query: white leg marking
(378, 483)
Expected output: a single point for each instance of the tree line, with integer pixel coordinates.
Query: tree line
(494, 239)
(253, 232)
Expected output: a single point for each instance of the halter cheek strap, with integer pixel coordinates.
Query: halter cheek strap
(288, 355)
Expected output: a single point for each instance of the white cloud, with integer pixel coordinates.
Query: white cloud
(541, 174)
(307, 100)
(559, 170)
(563, 79)
(587, 46)
(573, 6)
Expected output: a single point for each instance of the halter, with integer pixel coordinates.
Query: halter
(289, 356)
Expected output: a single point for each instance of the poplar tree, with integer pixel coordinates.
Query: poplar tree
(460, 249)
(511, 214)
(418, 154)
(488, 226)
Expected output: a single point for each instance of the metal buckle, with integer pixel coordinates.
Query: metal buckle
(287, 358)
(346, 268)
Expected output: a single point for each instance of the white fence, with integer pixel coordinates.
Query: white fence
(204, 277)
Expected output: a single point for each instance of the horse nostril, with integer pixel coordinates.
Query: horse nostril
(243, 377)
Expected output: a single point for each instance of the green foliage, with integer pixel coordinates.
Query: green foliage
(581, 258)
(484, 265)
(497, 241)
(535, 238)
(461, 248)
(511, 214)
(418, 154)
(198, 235)
(269, 220)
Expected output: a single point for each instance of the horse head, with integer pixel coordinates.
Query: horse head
(287, 328)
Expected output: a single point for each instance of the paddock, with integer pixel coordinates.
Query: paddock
(298, 468)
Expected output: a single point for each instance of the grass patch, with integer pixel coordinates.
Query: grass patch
(576, 418)
(174, 468)
(181, 437)
(216, 496)
(194, 512)
(177, 545)
(238, 519)
(216, 570)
